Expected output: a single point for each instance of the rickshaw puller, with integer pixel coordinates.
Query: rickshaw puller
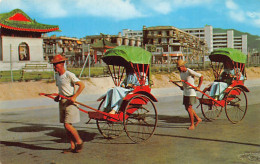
(189, 94)
(69, 113)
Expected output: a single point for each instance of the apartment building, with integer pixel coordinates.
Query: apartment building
(72, 48)
(205, 33)
(168, 42)
(219, 40)
(214, 40)
(133, 33)
(115, 39)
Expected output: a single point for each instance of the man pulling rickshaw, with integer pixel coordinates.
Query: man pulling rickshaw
(135, 112)
(228, 90)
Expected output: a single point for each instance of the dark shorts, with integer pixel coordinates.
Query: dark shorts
(189, 100)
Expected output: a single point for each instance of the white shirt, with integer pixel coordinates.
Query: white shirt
(66, 83)
(189, 77)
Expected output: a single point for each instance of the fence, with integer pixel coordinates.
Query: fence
(99, 70)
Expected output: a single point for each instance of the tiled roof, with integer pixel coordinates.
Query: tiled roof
(18, 20)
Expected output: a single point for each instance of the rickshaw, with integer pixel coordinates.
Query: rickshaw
(137, 115)
(234, 96)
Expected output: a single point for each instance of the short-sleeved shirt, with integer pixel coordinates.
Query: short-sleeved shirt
(66, 83)
(189, 77)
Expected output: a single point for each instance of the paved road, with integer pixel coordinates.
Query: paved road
(31, 135)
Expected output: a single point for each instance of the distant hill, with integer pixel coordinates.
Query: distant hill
(253, 41)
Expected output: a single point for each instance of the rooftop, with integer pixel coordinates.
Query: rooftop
(20, 21)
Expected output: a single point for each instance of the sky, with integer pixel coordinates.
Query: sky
(79, 18)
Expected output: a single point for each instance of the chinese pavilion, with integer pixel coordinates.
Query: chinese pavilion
(20, 40)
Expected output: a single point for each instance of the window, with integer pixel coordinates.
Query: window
(23, 50)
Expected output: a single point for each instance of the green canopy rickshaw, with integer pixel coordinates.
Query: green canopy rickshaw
(235, 99)
(137, 114)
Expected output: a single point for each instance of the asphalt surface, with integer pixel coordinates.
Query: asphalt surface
(30, 133)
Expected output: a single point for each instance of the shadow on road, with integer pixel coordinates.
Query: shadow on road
(165, 121)
(25, 145)
(174, 119)
(51, 130)
(208, 139)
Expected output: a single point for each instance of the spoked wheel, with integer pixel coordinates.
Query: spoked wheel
(140, 118)
(210, 111)
(109, 129)
(236, 105)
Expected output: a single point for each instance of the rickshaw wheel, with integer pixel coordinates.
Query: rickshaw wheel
(210, 112)
(236, 105)
(109, 129)
(140, 118)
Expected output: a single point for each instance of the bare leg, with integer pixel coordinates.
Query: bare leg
(71, 139)
(197, 117)
(73, 133)
(190, 111)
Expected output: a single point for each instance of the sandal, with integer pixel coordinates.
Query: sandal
(69, 150)
(79, 147)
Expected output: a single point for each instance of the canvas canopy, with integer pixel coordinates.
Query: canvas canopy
(123, 54)
(222, 54)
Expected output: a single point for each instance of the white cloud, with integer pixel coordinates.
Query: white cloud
(157, 6)
(256, 22)
(50, 8)
(7, 5)
(231, 5)
(44, 8)
(187, 3)
(118, 9)
(239, 14)
(167, 6)
(123, 9)
(253, 14)
(163, 7)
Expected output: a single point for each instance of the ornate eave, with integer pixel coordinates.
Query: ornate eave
(19, 21)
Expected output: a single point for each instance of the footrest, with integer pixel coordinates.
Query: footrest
(101, 116)
(95, 115)
(206, 101)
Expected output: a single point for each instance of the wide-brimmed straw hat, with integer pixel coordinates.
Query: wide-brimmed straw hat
(58, 58)
(180, 63)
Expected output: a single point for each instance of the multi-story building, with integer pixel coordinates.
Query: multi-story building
(116, 39)
(219, 40)
(99, 43)
(213, 40)
(205, 33)
(72, 48)
(168, 42)
(133, 33)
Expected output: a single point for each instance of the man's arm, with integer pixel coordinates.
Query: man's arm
(79, 90)
(193, 73)
(200, 82)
